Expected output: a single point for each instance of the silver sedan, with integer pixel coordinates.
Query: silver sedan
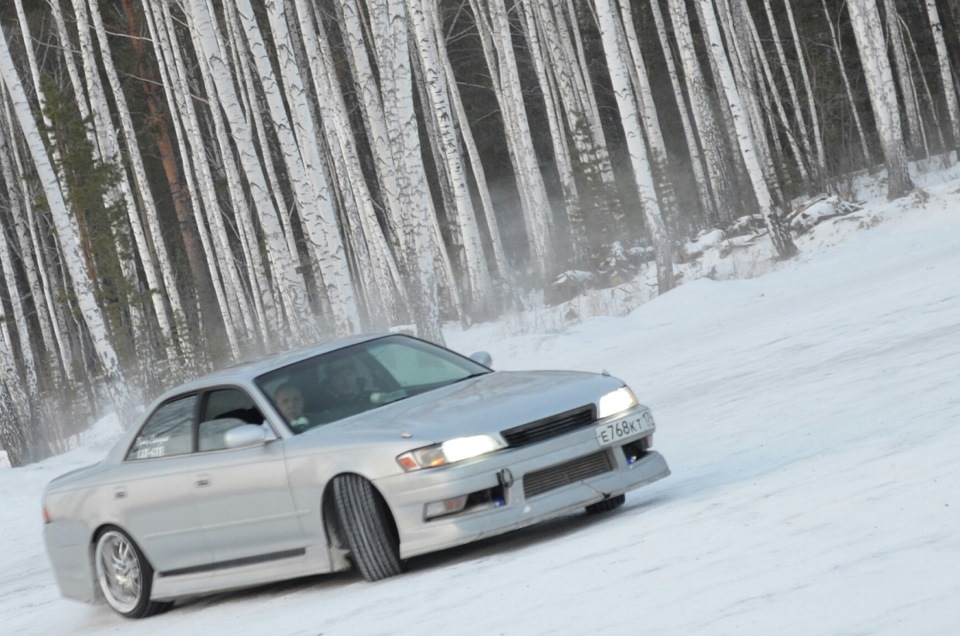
(361, 453)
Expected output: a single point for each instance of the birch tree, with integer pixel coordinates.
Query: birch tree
(17, 205)
(595, 203)
(801, 130)
(389, 29)
(494, 30)
(320, 219)
(916, 70)
(394, 132)
(260, 288)
(154, 254)
(108, 150)
(372, 111)
(693, 147)
(34, 68)
(946, 76)
(916, 138)
(22, 385)
(14, 419)
(115, 193)
(199, 186)
(740, 60)
(22, 340)
(438, 104)
(66, 235)
(385, 294)
(779, 235)
(552, 85)
(865, 20)
(629, 119)
(241, 166)
(499, 260)
(197, 300)
(640, 80)
(568, 65)
(299, 138)
(846, 85)
(815, 129)
(789, 130)
(711, 139)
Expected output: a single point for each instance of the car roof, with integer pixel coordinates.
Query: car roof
(245, 371)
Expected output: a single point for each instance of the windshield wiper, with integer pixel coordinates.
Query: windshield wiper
(388, 398)
(472, 375)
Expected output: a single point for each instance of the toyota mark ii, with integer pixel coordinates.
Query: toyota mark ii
(360, 453)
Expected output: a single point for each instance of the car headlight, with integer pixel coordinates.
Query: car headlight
(454, 450)
(615, 402)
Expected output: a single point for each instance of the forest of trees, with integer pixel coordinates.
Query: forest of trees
(189, 183)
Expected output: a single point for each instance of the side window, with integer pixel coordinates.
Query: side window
(168, 432)
(225, 409)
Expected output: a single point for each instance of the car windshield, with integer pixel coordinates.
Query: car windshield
(355, 379)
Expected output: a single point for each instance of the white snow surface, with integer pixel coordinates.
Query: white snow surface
(810, 415)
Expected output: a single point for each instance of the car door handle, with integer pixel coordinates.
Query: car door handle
(120, 493)
(202, 481)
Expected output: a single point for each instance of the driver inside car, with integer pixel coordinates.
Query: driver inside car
(343, 384)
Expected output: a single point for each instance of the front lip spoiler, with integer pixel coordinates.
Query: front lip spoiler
(421, 537)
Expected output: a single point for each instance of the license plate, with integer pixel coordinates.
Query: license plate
(613, 432)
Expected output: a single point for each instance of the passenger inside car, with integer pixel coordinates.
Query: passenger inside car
(289, 401)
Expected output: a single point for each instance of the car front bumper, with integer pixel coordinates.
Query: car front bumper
(504, 472)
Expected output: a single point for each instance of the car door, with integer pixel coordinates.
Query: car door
(153, 494)
(242, 494)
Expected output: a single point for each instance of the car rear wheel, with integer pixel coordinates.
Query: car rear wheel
(606, 505)
(367, 527)
(124, 575)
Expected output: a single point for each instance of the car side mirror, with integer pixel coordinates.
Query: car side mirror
(245, 435)
(482, 357)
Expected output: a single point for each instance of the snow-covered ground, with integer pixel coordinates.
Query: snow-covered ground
(811, 417)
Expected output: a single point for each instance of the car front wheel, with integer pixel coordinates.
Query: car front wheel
(367, 527)
(611, 503)
(124, 575)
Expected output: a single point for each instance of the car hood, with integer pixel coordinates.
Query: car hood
(488, 403)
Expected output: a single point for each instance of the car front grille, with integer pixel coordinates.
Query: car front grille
(541, 481)
(548, 427)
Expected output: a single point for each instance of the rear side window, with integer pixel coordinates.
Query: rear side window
(168, 432)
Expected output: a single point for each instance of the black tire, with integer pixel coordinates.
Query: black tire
(124, 575)
(367, 527)
(606, 505)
